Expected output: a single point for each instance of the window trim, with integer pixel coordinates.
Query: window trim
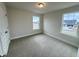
(39, 23)
(61, 29)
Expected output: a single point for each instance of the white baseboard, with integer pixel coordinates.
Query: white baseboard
(24, 36)
(73, 44)
(20, 36)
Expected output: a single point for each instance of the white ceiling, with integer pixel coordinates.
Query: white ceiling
(51, 6)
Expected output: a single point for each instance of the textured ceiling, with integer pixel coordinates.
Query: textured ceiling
(51, 6)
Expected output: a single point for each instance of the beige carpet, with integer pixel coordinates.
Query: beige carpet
(40, 46)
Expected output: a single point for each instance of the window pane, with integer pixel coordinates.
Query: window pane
(36, 22)
(70, 23)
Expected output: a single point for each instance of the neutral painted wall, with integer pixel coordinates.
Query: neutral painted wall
(53, 22)
(20, 22)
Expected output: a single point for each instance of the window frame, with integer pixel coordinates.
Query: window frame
(61, 30)
(38, 24)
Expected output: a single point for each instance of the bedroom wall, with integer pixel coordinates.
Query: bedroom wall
(20, 22)
(53, 22)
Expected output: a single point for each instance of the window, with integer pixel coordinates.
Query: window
(70, 23)
(36, 22)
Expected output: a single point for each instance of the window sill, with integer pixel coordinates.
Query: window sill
(35, 29)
